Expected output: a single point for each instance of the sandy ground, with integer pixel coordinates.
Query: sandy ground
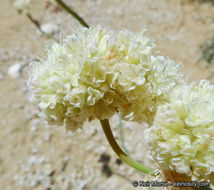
(39, 157)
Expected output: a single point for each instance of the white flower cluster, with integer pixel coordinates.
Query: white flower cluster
(22, 5)
(97, 72)
(182, 135)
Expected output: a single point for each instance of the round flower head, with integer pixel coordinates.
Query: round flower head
(182, 136)
(97, 72)
(22, 5)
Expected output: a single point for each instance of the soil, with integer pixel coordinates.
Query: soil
(40, 157)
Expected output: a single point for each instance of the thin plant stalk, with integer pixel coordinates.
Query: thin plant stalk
(34, 21)
(122, 155)
(72, 12)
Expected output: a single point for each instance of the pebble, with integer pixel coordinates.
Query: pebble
(32, 160)
(14, 71)
(49, 28)
(35, 160)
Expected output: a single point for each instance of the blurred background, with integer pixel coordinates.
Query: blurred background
(40, 157)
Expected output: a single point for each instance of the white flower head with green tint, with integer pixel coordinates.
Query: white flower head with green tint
(182, 136)
(96, 72)
(22, 5)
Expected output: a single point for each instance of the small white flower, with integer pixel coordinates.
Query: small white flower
(22, 5)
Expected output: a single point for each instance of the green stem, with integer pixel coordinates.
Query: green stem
(123, 156)
(72, 12)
